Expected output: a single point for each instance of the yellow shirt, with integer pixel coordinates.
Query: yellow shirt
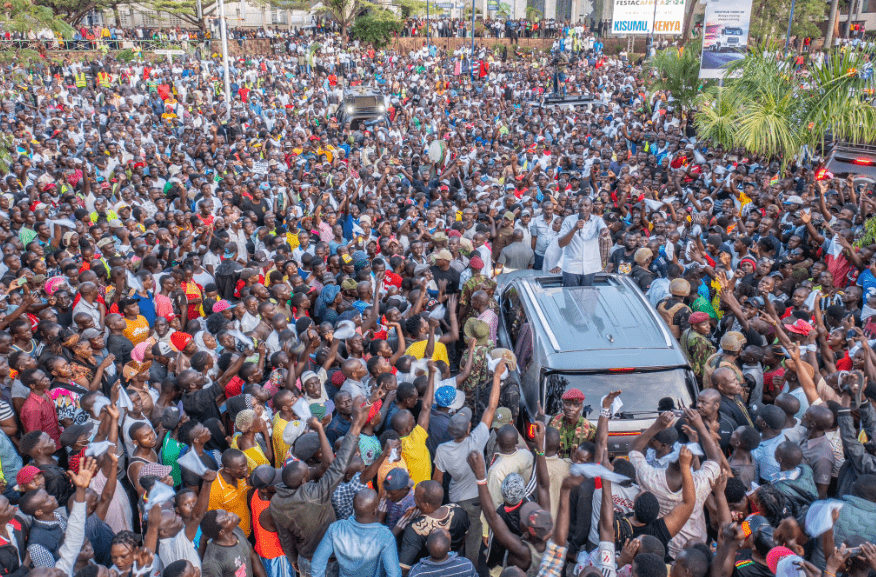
(418, 350)
(280, 447)
(416, 455)
(136, 331)
(231, 498)
(254, 455)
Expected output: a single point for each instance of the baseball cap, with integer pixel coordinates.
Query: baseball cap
(72, 433)
(396, 479)
(449, 397)
(306, 446)
(265, 476)
(26, 475)
(536, 520)
(459, 423)
(502, 417)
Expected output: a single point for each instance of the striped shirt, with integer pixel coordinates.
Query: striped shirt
(453, 566)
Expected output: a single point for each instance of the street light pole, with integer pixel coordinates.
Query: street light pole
(653, 31)
(224, 30)
(790, 20)
(428, 27)
(472, 35)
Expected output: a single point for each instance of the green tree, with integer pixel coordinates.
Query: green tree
(770, 18)
(533, 14)
(504, 10)
(26, 15)
(677, 71)
(377, 27)
(411, 8)
(187, 10)
(767, 110)
(345, 12)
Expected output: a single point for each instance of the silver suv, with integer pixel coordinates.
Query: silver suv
(597, 339)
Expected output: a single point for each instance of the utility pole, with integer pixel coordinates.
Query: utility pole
(224, 30)
(428, 27)
(790, 21)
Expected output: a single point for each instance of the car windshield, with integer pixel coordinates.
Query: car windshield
(641, 391)
(733, 31)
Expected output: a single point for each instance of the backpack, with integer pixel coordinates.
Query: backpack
(227, 275)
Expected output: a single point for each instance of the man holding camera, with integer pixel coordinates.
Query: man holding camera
(579, 239)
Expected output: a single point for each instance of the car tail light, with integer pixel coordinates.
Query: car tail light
(623, 433)
(530, 431)
(625, 370)
(823, 174)
(863, 161)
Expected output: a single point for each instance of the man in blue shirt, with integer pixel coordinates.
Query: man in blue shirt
(362, 546)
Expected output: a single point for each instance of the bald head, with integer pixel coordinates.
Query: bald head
(788, 403)
(507, 438)
(789, 455)
(295, 474)
(818, 417)
(365, 506)
(438, 544)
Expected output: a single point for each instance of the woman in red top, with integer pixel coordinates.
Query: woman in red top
(264, 479)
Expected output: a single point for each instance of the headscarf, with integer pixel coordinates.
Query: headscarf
(326, 297)
(513, 489)
(199, 340)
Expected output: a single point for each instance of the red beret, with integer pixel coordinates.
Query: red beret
(698, 317)
(573, 394)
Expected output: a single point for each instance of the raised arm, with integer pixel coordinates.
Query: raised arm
(428, 398)
(200, 505)
(679, 515)
(495, 390)
(509, 540)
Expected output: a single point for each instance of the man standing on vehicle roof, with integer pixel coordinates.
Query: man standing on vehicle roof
(573, 427)
(579, 239)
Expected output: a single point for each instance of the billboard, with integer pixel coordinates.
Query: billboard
(638, 16)
(725, 35)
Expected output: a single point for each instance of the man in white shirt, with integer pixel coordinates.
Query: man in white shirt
(579, 239)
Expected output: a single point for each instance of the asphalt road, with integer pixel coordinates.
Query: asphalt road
(718, 59)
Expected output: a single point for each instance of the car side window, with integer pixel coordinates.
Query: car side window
(518, 327)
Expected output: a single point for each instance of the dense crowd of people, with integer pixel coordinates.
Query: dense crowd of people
(266, 341)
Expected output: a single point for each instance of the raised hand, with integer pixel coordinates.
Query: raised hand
(87, 470)
(609, 399)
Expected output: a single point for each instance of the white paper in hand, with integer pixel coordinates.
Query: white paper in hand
(493, 363)
(592, 471)
(302, 409)
(98, 449)
(616, 405)
(124, 401)
(819, 518)
(345, 330)
(438, 313)
(191, 462)
(160, 494)
(244, 340)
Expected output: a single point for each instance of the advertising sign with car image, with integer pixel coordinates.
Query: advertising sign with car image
(725, 36)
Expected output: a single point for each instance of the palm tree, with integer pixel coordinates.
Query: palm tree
(766, 109)
(677, 71)
(504, 10)
(533, 14)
